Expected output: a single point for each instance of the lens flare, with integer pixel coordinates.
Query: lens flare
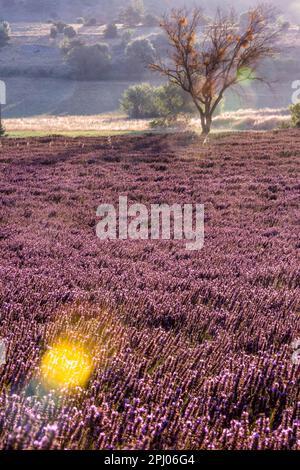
(294, 10)
(245, 76)
(66, 366)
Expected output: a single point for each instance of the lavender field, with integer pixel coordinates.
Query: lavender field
(190, 350)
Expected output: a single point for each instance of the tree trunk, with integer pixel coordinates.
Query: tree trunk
(206, 121)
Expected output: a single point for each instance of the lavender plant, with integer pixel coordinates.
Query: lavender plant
(191, 350)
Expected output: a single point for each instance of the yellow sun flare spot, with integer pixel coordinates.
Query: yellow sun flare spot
(66, 365)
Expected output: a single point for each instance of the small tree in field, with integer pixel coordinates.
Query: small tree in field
(4, 33)
(2, 131)
(207, 60)
(295, 112)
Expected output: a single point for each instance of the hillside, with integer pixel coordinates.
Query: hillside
(42, 10)
(39, 80)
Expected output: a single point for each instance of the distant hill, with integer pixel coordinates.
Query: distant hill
(28, 10)
(23, 10)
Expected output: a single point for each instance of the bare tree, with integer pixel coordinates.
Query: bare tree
(206, 60)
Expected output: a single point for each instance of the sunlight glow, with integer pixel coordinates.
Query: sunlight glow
(66, 366)
(294, 9)
(245, 76)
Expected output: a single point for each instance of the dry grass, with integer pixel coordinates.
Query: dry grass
(103, 122)
(252, 119)
(244, 119)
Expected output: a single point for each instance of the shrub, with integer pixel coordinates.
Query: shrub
(90, 22)
(53, 32)
(80, 20)
(89, 62)
(4, 33)
(66, 45)
(139, 53)
(295, 112)
(126, 37)
(60, 26)
(151, 21)
(165, 102)
(138, 101)
(69, 32)
(111, 31)
(130, 16)
(172, 101)
(170, 121)
(159, 41)
(284, 125)
(2, 130)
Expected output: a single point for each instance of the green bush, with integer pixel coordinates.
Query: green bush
(4, 33)
(111, 31)
(139, 53)
(172, 101)
(163, 102)
(126, 37)
(89, 62)
(130, 16)
(66, 45)
(160, 42)
(138, 101)
(69, 32)
(295, 112)
(2, 130)
(150, 21)
(53, 32)
(60, 26)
